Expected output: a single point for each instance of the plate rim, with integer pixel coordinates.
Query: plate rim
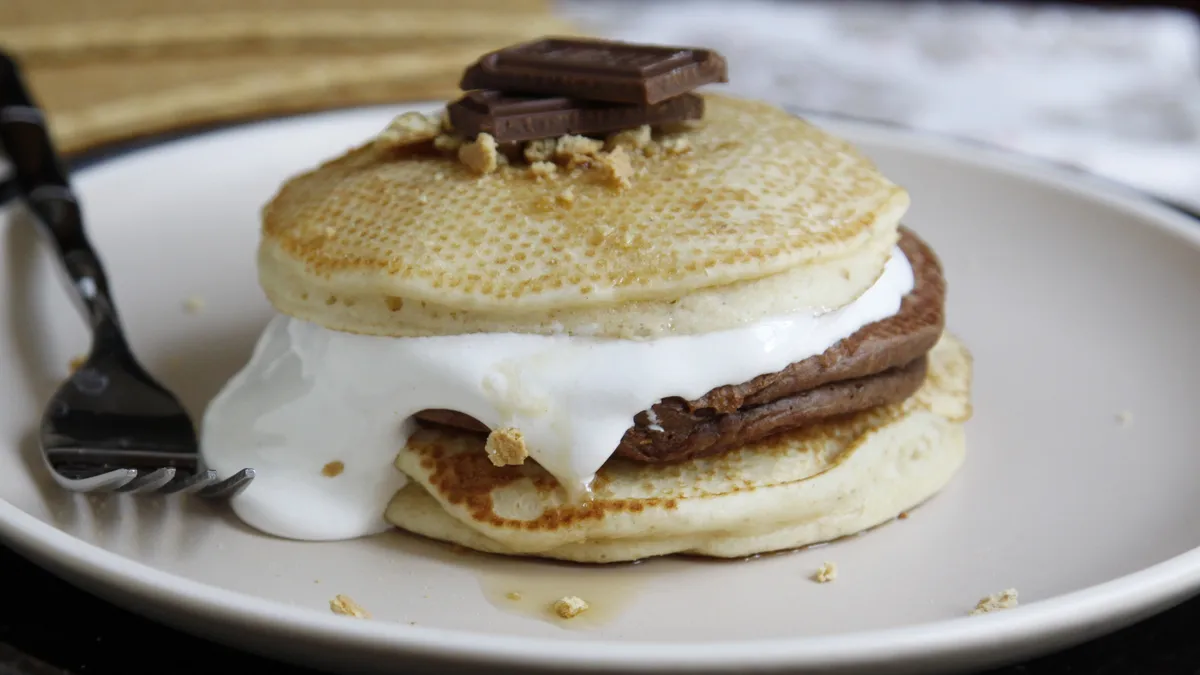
(1080, 613)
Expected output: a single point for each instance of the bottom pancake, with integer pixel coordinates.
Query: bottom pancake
(810, 485)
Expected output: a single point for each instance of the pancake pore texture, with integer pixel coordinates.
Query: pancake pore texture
(748, 213)
(810, 485)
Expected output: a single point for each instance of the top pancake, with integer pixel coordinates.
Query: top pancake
(757, 194)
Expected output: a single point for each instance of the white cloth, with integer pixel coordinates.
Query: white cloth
(1116, 92)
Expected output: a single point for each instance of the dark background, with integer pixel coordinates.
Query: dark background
(48, 627)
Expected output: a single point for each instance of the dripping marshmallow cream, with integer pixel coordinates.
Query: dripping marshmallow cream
(310, 396)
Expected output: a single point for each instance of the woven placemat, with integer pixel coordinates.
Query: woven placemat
(113, 71)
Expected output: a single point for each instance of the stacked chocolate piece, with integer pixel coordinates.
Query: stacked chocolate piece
(556, 87)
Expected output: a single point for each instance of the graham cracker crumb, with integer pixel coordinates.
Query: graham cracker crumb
(903, 515)
(634, 139)
(513, 595)
(566, 197)
(1006, 599)
(333, 469)
(617, 168)
(506, 447)
(409, 128)
(481, 155)
(540, 150)
(676, 146)
(193, 305)
(577, 150)
(1125, 419)
(447, 143)
(570, 606)
(342, 604)
(826, 573)
(542, 169)
(76, 362)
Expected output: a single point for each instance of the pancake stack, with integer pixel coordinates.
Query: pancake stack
(520, 213)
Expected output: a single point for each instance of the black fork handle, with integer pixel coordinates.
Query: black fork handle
(40, 180)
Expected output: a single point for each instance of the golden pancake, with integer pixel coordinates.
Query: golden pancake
(751, 213)
(802, 487)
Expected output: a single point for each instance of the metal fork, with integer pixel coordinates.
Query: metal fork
(111, 426)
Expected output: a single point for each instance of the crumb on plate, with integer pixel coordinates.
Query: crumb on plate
(1006, 599)
(343, 605)
(193, 305)
(826, 573)
(570, 606)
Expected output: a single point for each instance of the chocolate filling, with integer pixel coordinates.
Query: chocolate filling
(883, 362)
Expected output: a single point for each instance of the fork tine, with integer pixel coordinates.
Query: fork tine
(230, 487)
(149, 482)
(105, 482)
(193, 483)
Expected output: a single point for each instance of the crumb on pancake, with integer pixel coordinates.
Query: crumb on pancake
(343, 605)
(826, 573)
(1006, 599)
(570, 606)
(480, 155)
(506, 447)
(575, 150)
(566, 197)
(634, 139)
(540, 150)
(676, 146)
(334, 468)
(687, 170)
(408, 129)
(448, 143)
(542, 169)
(617, 168)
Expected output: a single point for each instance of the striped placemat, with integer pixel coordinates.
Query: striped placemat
(113, 71)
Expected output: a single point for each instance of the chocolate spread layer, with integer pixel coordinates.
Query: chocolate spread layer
(881, 363)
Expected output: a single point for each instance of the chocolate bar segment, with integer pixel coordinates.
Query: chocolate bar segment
(596, 70)
(518, 118)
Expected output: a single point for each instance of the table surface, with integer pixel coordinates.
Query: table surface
(60, 630)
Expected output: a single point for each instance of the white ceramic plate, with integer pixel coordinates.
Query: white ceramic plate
(1077, 298)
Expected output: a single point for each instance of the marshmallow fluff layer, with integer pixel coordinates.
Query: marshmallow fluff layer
(311, 396)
